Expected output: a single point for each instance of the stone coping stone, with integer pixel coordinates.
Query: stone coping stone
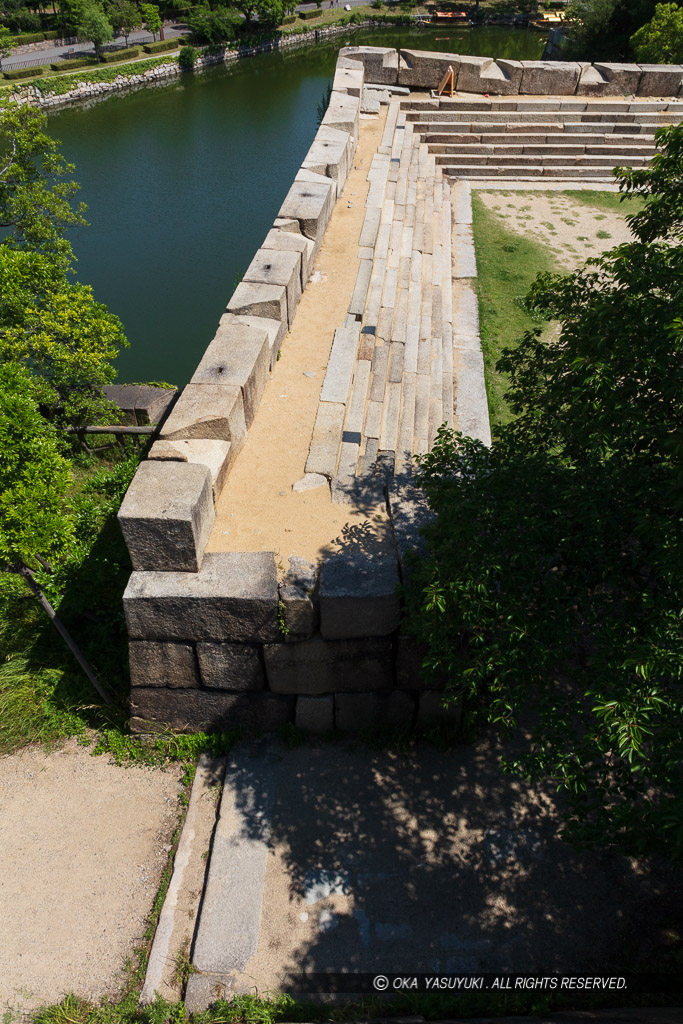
(380, 62)
(355, 712)
(330, 154)
(660, 80)
(275, 329)
(298, 609)
(287, 240)
(167, 515)
(609, 80)
(278, 267)
(153, 663)
(208, 412)
(233, 667)
(550, 77)
(267, 300)
(233, 597)
(310, 204)
(141, 404)
(349, 80)
(481, 74)
(239, 356)
(358, 595)
(426, 68)
(343, 113)
(217, 456)
(193, 710)
(317, 666)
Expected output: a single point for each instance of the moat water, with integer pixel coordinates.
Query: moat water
(183, 182)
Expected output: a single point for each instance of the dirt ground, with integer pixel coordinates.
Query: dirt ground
(573, 231)
(83, 844)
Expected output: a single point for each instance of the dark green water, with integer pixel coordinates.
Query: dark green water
(183, 182)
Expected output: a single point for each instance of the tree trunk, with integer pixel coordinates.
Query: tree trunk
(61, 629)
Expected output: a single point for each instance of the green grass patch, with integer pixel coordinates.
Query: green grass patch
(607, 201)
(507, 263)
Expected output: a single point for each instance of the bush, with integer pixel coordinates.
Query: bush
(76, 62)
(119, 55)
(187, 58)
(305, 15)
(289, 20)
(53, 34)
(25, 38)
(22, 73)
(161, 46)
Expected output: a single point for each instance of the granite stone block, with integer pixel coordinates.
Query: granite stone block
(318, 666)
(231, 666)
(239, 356)
(217, 456)
(162, 664)
(157, 709)
(208, 412)
(358, 595)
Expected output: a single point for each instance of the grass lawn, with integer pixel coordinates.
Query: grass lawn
(607, 201)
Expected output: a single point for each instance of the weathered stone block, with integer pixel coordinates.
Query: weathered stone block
(482, 74)
(424, 68)
(309, 203)
(410, 512)
(167, 515)
(208, 411)
(329, 155)
(268, 300)
(275, 329)
(140, 403)
(609, 80)
(162, 664)
(154, 710)
(380, 62)
(298, 610)
(327, 432)
(215, 455)
(278, 239)
(315, 714)
(318, 666)
(355, 712)
(512, 71)
(231, 666)
(660, 79)
(549, 78)
(341, 364)
(358, 595)
(278, 267)
(239, 356)
(343, 113)
(430, 710)
(233, 597)
(349, 80)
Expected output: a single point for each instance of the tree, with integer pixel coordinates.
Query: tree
(552, 588)
(151, 18)
(214, 27)
(661, 40)
(602, 29)
(5, 44)
(267, 12)
(95, 27)
(124, 16)
(35, 524)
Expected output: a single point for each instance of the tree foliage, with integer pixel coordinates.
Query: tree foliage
(661, 40)
(124, 16)
(94, 25)
(552, 593)
(151, 18)
(602, 29)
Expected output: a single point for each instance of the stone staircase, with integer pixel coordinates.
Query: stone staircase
(389, 382)
(529, 138)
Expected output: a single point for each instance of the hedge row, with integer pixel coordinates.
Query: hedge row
(118, 55)
(75, 62)
(289, 20)
(163, 44)
(309, 14)
(22, 73)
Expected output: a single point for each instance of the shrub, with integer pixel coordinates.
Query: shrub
(187, 58)
(305, 15)
(118, 55)
(289, 20)
(76, 62)
(22, 73)
(53, 34)
(161, 46)
(25, 38)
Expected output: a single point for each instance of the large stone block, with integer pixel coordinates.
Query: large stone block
(155, 710)
(410, 512)
(298, 610)
(162, 664)
(319, 666)
(330, 155)
(327, 433)
(239, 355)
(231, 666)
(484, 75)
(287, 240)
(215, 455)
(549, 78)
(278, 267)
(267, 300)
(275, 329)
(358, 595)
(343, 113)
(660, 79)
(341, 364)
(609, 80)
(349, 80)
(208, 412)
(380, 62)
(167, 515)
(310, 203)
(355, 712)
(315, 714)
(140, 403)
(233, 597)
(424, 68)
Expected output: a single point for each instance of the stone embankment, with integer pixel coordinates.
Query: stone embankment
(217, 638)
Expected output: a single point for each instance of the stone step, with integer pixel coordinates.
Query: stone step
(522, 172)
(520, 149)
(513, 103)
(558, 116)
(532, 138)
(517, 128)
(527, 160)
